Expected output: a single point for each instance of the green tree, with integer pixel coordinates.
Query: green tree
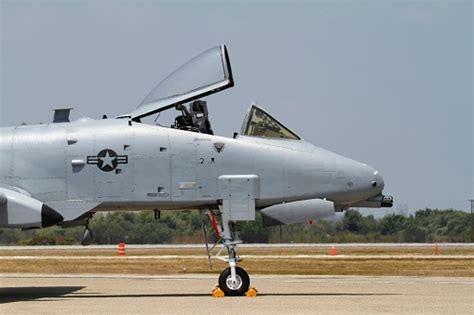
(354, 222)
(391, 224)
(254, 232)
(413, 234)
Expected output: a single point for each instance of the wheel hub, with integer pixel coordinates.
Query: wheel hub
(234, 284)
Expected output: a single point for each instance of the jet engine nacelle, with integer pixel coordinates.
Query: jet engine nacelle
(22, 211)
(297, 212)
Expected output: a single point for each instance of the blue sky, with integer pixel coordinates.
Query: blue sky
(388, 83)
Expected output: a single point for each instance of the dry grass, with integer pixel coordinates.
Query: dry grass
(409, 267)
(346, 266)
(363, 250)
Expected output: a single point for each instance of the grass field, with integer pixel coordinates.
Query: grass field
(264, 250)
(402, 261)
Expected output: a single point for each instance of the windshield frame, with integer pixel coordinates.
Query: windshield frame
(245, 125)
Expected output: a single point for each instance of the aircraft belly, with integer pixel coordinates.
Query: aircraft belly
(152, 205)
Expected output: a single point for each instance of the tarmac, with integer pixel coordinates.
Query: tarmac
(104, 294)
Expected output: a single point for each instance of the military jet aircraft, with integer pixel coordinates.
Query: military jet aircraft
(63, 172)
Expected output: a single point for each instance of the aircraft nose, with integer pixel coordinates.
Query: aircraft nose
(378, 180)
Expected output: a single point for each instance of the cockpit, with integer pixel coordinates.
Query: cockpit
(259, 123)
(195, 119)
(205, 74)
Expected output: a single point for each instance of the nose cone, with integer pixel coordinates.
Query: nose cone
(378, 180)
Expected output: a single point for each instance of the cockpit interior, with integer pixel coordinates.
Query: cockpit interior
(195, 119)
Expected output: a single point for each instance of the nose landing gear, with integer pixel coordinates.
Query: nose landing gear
(233, 281)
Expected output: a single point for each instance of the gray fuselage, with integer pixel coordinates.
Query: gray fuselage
(119, 164)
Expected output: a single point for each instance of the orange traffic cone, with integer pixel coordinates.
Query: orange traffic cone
(121, 249)
(333, 250)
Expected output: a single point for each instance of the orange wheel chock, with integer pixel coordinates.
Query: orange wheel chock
(252, 292)
(217, 292)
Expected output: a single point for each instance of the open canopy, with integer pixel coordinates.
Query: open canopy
(205, 74)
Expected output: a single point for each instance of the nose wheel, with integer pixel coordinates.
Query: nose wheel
(234, 286)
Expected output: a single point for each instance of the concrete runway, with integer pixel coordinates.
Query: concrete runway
(26, 293)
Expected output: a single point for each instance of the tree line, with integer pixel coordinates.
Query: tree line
(182, 227)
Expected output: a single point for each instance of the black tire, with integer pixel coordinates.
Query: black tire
(243, 284)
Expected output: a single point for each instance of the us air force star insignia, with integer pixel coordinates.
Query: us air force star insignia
(107, 160)
(219, 146)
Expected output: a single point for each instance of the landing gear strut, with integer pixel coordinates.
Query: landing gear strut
(233, 281)
(87, 236)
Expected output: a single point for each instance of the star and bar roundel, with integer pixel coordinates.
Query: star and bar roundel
(107, 160)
